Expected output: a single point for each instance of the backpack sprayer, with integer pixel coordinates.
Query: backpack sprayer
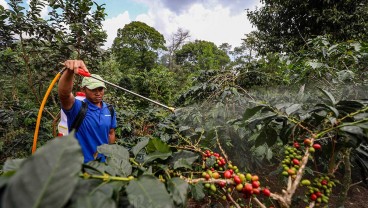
(84, 74)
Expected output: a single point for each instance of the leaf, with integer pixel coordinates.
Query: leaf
(269, 154)
(157, 145)
(210, 161)
(95, 194)
(114, 150)
(329, 108)
(261, 151)
(118, 167)
(178, 189)
(183, 158)
(197, 191)
(148, 191)
(329, 95)
(47, 178)
(117, 159)
(263, 118)
(285, 133)
(315, 65)
(349, 106)
(137, 148)
(199, 130)
(292, 109)
(156, 155)
(249, 112)
(345, 75)
(12, 164)
(361, 116)
(280, 106)
(261, 139)
(268, 135)
(96, 200)
(183, 128)
(94, 167)
(353, 130)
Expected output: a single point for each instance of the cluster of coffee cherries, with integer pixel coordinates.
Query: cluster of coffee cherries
(213, 160)
(294, 154)
(291, 162)
(320, 190)
(246, 184)
(232, 179)
(312, 147)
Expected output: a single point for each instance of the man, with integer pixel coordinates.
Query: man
(97, 127)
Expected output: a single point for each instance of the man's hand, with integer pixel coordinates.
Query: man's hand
(74, 65)
(65, 85)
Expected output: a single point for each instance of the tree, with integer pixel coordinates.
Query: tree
(286, 25)
(247, 50)
(226, 47)
(137, 45)
(201, 55)
(178, 39)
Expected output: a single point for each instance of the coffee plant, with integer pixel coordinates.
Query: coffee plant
(174, 173)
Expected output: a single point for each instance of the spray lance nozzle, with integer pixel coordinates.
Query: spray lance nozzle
(84, 73)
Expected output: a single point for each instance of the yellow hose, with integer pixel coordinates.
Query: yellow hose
(39, 116)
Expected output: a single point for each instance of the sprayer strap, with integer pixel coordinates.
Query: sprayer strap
(80, 117)
(82, 114)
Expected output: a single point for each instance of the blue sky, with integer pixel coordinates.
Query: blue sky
(217, 21)
(116, 7)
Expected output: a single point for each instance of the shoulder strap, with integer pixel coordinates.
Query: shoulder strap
(111, 108)
(80, 117)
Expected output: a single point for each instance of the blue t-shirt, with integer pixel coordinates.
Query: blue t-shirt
(94, 130)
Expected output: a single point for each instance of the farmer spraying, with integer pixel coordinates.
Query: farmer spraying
(93, 120)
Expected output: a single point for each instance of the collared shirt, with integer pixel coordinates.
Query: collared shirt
(95, 128)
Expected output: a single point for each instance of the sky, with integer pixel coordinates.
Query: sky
(217, 21)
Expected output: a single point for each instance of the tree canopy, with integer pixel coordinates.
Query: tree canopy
(137, 45)
(203, 55)
(287, 25)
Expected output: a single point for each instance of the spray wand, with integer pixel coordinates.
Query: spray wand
(87, 74)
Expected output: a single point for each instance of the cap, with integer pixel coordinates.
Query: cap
(92, 83)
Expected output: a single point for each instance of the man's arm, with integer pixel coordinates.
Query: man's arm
(112, 136)
(65, 85)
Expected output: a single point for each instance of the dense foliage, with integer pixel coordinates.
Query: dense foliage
(285, 26)
(254, 125)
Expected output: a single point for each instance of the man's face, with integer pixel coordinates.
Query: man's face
(96, 95)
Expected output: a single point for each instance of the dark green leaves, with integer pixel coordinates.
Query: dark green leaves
(197, 191)
(249, 112)
(183, 159)
(148, 191)
(178, 189)
(48, 178)
(135, 150)
(331, 98)
(117, 159)
(157, 150)
(157, 145)
(267, 135)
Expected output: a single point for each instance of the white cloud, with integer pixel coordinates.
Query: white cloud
(112, 25)
(217, 24)
(4, 4)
